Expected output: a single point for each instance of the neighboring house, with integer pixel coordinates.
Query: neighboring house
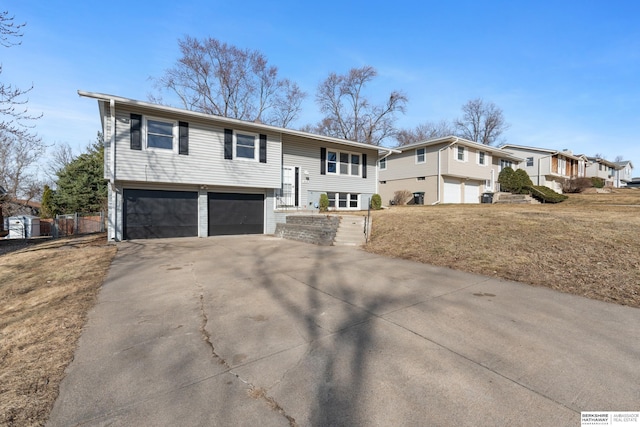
(624, 172)
(447, 170)
(634, 183)
(174, 172)
(604, 169)
(549, 167)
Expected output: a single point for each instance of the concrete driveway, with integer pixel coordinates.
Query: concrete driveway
(261, 331)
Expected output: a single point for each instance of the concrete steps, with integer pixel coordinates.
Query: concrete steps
(350, 231)
(516, 199)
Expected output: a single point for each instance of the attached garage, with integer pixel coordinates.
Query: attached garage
(471, 192)
(235, 213)
(452, 191)
(149, 214)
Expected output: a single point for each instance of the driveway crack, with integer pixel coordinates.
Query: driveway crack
(257, 393)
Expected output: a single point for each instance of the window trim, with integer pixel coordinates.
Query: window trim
(256, 146)
(334, 203)
(382, 164)
(464, 153)
(424, 155)
(505, 164)
(527, 162)
(174, 133)
(482, 155)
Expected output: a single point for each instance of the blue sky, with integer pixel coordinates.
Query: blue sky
(565, 73)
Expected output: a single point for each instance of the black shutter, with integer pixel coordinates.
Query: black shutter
(183, 138)
(228, 144)
(135, 122)
(364, 165)
(323, 161)
(263, 148)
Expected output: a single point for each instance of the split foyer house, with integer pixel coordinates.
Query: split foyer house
(605, 170)
(446, 170)
(624, 173)
(176, 173)
(549, 167)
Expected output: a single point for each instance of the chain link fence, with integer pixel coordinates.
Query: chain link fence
(73, 224)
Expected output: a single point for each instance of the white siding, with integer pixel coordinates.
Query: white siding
(305, 154)
(204, 165)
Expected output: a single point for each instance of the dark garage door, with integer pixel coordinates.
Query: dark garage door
(234, 213)
(152, 214)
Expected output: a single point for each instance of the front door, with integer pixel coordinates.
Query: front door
(288, 192)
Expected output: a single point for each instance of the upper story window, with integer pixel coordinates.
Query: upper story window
(421, 155)
(246, 146)
(382, 163)
(460, 154)
(482, 158)
(529, 161)
(505, 164)
(342, 163)
(159, 134)
(152, 133)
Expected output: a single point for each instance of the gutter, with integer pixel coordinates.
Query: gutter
(439, 187)
(112, 174)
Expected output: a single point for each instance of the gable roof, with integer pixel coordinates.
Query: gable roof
(603, 161)
(461, 141)
(549, 151)
(624, 163)
(102, 97)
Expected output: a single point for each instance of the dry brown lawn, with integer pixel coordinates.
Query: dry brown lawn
(588, 245)
(46, 291)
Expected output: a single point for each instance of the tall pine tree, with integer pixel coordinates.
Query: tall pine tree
(81, 186)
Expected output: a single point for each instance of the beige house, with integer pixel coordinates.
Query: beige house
(549, 167)
(446, 170)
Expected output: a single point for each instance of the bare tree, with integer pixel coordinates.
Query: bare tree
(619, 158)
(20, 147)
(481, 122)
(600, 156)
(18, 171)
(14, 117)
(424, 132)
(10, 32)
(348, 112)
(216, 78)
(60, 155)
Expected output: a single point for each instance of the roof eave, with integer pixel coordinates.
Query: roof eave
(260, 126)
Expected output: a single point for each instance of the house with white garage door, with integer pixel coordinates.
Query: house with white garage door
(177, 173)
(446, 170)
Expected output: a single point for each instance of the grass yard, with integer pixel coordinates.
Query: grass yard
(46, 290)
(588, 245)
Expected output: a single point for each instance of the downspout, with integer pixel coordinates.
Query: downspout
(112, 174)
(378, 170)
(438, 186)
